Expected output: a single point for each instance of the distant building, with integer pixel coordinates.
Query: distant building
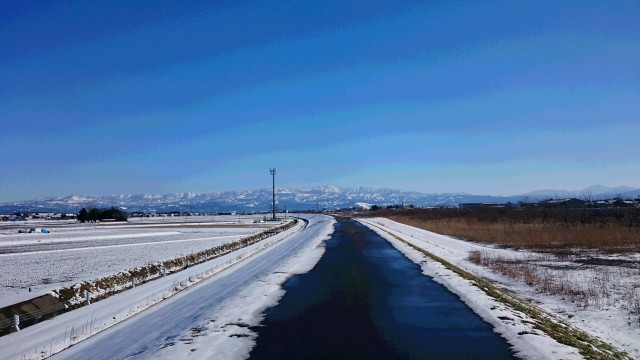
(572, 203)
(479, 205)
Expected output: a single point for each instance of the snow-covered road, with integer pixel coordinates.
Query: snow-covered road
(154, 328)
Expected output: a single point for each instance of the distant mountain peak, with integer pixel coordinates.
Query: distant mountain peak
(601, 189)
(598, 191)
(326, 196)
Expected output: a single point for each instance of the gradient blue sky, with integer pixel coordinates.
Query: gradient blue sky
(498, 97)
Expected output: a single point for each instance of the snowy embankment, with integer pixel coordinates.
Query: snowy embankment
(35, 264)
(228, 333)
(106, 317)
(518, 328)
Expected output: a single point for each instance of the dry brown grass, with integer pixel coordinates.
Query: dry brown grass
(554, 242)
(599, 287)
(552, 237)
(560, 246)
(589, 347)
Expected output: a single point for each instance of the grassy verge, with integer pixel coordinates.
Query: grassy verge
(589, 347)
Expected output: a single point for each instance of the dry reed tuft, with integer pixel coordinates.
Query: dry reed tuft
(598, 288)
(557, 238)
(565, 242)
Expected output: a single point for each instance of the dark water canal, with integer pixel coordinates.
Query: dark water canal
(365, 300)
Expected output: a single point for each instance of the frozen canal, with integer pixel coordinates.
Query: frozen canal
(365, 300)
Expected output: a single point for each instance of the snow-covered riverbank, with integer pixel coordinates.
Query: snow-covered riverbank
(227, 332)
(612, 326)
(71, 328)
(36, 264)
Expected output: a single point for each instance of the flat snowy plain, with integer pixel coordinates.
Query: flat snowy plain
(610, 323)
(215, 300)
(72, 252)
(209, 310)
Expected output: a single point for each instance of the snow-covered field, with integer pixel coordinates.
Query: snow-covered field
(73, 252)
(209, 318)
(227, 332)
(610, 320)
(215, 317)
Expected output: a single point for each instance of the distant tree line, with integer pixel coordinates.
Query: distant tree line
(401, 206)
(527, 214)
(95, 214)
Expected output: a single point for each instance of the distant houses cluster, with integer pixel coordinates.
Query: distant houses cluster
(569, 203)
(41, 216)
(175, 213)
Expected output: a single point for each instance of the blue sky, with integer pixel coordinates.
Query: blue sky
(496, 97)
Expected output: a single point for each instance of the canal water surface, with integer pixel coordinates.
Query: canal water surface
(365, 300)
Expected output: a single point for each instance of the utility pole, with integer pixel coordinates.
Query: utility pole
(273, 207)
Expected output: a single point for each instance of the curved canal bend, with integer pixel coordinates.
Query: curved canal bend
(365, 300)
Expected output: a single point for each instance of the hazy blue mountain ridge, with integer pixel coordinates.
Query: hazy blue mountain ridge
(330, 197)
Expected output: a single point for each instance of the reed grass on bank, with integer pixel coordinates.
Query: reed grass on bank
(552, 237)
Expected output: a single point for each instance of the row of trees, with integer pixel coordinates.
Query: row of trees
(95, 214)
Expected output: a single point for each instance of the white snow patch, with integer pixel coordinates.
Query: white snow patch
(50, 239)
(69, 329)
(230, 335)
(610, 325)
(31, 266)
(364, 205)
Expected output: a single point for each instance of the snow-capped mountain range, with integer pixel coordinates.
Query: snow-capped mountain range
(330, 197)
